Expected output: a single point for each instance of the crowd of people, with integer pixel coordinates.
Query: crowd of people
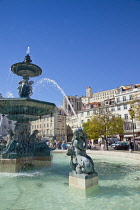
(60, 145)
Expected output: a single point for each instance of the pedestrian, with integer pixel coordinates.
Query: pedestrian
(130, 146)
(136, 145)
(59, 145)
(64, 145)
(107, 143)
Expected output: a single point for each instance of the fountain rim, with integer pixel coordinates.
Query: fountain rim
(27, 99)
(15, 68)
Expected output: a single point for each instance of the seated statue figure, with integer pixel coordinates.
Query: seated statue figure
(38, 148)
(33, 137)
(80, 161)
(25, 88)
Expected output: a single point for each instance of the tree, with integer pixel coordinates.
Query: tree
(135, 105)
(104, 126)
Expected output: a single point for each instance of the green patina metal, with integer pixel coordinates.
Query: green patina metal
(81, 163)
(23, 110)
(26, 68)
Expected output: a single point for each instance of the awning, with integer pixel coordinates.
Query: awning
(138, 137)
(128, 135)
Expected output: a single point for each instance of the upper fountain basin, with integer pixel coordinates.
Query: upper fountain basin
(25, 109)
(25, 69)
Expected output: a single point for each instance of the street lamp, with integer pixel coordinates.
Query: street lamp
(132, 114)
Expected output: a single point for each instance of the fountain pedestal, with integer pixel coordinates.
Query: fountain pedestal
(83, 181)
(17, 165)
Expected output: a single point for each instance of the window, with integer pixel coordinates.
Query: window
(119, 116)
(120, 90)
(82, 114)
(88, 106)
(94, 111)
(107, 109)
(134, 125)
(88, 113)
(124, 98)
(127, 126)
(118, 108)
(125, 106)
(88, 120)
(130, 97)
(82, 121)
(126, 116)
(118, 100)
(113, 109)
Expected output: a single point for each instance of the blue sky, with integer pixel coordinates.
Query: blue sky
(77, 43)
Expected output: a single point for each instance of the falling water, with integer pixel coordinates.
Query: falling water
(46, 80)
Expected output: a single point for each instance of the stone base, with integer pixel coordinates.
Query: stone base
(17, 165)
(83, 181)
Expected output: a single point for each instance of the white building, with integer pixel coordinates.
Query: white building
(97, 97)
(117, 101)
(123, 101)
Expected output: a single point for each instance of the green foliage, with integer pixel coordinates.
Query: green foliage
(103, 126)
(135, 107)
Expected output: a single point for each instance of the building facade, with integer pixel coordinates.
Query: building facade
(75, 102)
(123, 100)
(52, 127)
(117, 101)
(99, 96)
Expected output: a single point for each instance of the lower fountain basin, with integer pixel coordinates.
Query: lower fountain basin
(49, 188)
(25, 109)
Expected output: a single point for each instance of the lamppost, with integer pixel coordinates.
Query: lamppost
(132, 114)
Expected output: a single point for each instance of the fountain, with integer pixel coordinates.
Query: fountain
(22, 148)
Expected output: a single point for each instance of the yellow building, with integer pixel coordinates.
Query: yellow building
(51, 127)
